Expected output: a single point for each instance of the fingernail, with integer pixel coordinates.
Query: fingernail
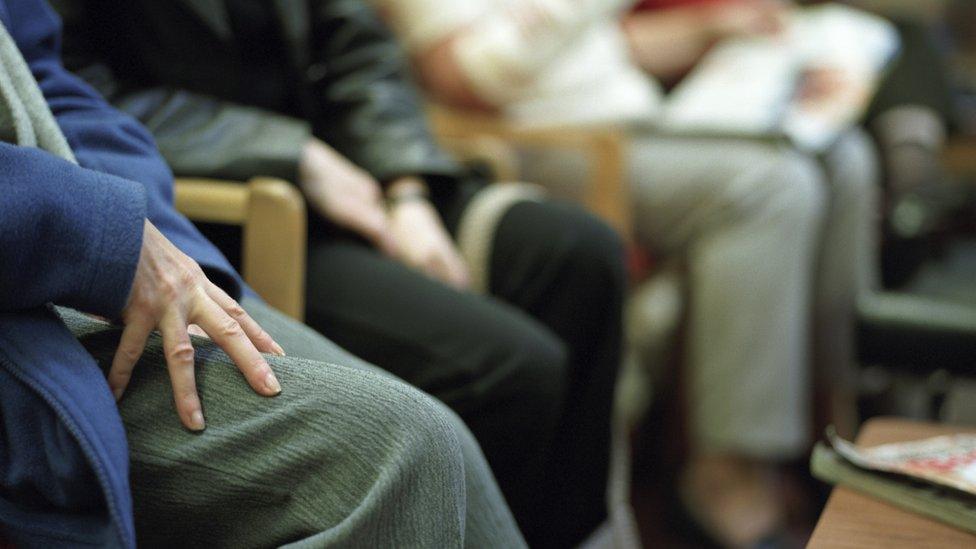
(196, 421)
(278, 350)
(271, 382)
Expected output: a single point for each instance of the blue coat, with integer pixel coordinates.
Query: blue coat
(71, 235)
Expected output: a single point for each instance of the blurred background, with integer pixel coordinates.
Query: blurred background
(915, 341)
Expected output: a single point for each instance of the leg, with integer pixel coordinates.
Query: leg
(566, 269)
(488, 522)
(343, 457)
(501, 371)
(747, 217)
(847, 267)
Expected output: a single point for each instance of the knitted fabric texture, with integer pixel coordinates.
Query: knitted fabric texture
(25, 118)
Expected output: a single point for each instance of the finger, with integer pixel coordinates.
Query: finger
(258, 336)
(229, 335)
(131, 345)
(375, 226)
(182, 374)
(459, 273)
(195, 330)
(428, 263)
(449, 270)
(388, 244)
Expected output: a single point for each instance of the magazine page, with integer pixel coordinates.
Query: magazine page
(945, 460)
(849, 47)
(756, 86)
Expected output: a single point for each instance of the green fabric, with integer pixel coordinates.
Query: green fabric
(345, 456)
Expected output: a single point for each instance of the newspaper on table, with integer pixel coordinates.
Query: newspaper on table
(945, 460)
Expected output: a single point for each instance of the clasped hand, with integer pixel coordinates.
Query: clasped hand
(410, 231)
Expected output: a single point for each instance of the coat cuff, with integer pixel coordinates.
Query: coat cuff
(114, 255)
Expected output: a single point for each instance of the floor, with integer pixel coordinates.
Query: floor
(657, 454)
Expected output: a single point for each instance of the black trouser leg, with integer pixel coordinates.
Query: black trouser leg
(566, 269)
(502, 371)
(531, 369)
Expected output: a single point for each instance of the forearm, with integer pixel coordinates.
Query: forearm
(498, 56)
(668, 43)
(206, 137)
(369, 108)
(67, 235)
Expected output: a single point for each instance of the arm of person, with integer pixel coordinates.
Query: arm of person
(166, 289)
(480, 57)
(369, 108)
(372, 115)
(667, 43)
(198, 135)
(56, 242)
(203, 136)
(106, 140)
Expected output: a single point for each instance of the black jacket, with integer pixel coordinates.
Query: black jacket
(225, 103)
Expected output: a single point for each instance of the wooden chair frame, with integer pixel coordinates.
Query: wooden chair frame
(607, 192)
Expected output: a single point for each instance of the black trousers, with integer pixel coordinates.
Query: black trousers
(530, 368)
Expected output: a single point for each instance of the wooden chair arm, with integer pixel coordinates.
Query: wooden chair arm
(272, 214)
(607, 192)
(496, 153)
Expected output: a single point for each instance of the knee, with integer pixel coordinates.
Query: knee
(542, 365)
(420, 429)
(796, 188)
(590, 249)
(533, 378)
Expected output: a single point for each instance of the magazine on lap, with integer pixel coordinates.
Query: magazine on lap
(756, 86)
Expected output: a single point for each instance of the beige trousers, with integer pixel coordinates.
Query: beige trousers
(778, 244)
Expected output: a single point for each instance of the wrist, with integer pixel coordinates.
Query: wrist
(407, 189)
(308, 160)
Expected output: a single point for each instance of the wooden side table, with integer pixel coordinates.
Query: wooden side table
(853, 520)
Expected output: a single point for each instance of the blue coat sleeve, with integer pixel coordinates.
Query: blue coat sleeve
(102, 138)
(68, 234)
(108, 141)
(76, 234)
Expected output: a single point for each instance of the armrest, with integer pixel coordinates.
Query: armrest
(496, 153)
(917, 332)
(607, 193)
(272, 214)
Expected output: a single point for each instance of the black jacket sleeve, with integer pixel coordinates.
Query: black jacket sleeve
(203, 136)
(198, 134)
(369, 108)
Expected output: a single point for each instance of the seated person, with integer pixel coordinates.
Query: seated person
(344, 454)
(776, 241)
(318, 92)
(908, 115)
